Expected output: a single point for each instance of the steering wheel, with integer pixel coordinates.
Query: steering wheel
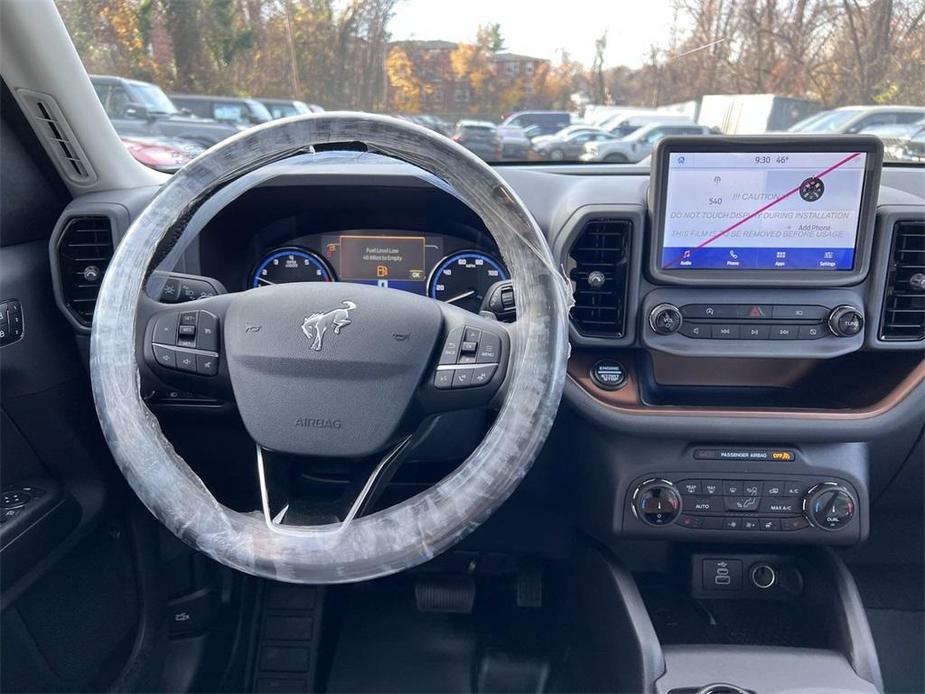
(331, 369)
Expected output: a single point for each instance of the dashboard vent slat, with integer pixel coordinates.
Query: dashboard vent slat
(52, 127)
(84, 252)
(903, 316)
(602, 247)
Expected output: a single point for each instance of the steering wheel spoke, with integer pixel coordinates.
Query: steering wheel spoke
(471, 364)
(181, 345)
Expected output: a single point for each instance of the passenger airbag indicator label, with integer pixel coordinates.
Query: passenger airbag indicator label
(746, 454)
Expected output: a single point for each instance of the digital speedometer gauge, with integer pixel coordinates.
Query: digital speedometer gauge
(463, 279)
(291, 265)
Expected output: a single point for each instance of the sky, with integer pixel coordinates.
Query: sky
(541, 28)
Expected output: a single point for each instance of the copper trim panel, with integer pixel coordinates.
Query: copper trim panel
(786, 374)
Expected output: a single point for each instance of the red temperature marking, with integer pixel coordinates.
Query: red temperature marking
(760, 210)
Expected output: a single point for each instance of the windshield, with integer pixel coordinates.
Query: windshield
(154, 98)
(733, 67)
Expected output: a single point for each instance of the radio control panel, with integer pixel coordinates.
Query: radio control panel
(760, 323)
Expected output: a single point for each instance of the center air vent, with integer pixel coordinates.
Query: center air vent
(84, 252)
(598, 263)
(904, 297)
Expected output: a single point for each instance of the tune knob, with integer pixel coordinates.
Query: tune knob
(665, 319)
(657, 502)
(829, 506)
(846, 321)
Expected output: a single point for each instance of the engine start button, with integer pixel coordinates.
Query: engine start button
(608, 374)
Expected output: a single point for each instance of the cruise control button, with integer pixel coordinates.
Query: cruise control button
(811, 332)
(741, 503)
(462, 378)
(207, 332)
(165, 329)
(188, 318)
(165, 356)
(466, 359)
(469, 346)
(472, 335)
(187, 331)
(482, 374)
(443, 379)
(784, 332)
(780, 506)
(451, 346)
(186, 361)
(206, 365)
(489, 349)
(695, 330)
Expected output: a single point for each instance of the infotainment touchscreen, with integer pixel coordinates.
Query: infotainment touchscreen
(762, 210)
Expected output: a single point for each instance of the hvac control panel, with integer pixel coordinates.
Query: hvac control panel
(714, 504)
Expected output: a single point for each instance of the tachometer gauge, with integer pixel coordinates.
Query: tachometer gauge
(291, 265)
(463, 278)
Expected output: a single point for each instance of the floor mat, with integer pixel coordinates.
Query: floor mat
(898, 635)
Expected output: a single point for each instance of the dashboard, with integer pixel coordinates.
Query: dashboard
(745, 297)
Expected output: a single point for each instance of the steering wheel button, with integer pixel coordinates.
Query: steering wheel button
(165, 329)
(451, 347)
(489, 349)
(186, 361)
(187, 331)
(443, 379)
(462, 378)
(466, 359)
(206, 365)
(207, 332)
(469, 346)
(483, 374)
(188, 318)
(472, 335)
(165, 356)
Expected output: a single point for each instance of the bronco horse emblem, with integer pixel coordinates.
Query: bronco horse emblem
(317, 324)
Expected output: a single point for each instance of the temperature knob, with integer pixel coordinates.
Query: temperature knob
(829, 506)
(657, 502)
(845, 321)
(665, 319)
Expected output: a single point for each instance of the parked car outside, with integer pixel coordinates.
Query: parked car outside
(162, 154)
(283, 108)
(514, 143)
(897, 138)
(623, 124)
(480, 137)
(547, 121)
(142, 110)
(637, 146)
(239, 111)
(566, 132)
(571, 146)
(854, 119)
